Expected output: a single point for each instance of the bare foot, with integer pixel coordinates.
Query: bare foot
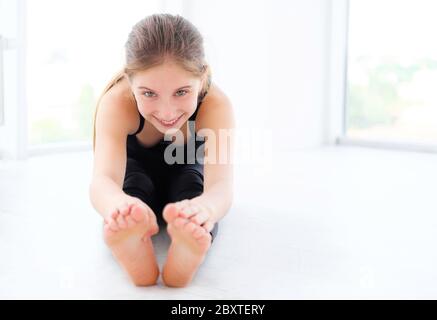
(171, 212)
(127, 233)
(189, 245)
(191, 209)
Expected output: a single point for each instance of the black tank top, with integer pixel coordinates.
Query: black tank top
(192, 118)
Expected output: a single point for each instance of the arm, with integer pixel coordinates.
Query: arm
(105, 195)
(217, 126)
(113, 123)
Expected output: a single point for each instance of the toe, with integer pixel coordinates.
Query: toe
(199, 218)
(205, 239)
(124, 211)
(107, 230)
(179, 222)
(199, 232)
(190, 227)
(137, 213)
(170, 212)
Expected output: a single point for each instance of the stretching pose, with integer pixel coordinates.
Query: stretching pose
(140, 182)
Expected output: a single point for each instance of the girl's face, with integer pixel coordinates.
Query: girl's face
(166, 95)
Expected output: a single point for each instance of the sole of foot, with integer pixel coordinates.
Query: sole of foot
(128, 235)
(189, 245)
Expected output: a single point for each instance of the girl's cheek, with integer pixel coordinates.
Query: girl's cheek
(145, 108)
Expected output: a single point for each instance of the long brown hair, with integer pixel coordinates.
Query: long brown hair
(158, 38)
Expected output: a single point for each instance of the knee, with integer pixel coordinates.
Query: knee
(138, 179)
(187, 185)
(135, 182)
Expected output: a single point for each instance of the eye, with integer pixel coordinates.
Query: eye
(147, 93)
(185, 91)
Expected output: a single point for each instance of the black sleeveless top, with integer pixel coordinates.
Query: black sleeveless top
(192, 118)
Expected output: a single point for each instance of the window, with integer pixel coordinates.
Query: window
(73, 49)
(392, 71)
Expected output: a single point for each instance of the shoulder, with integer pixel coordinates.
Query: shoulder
(118, 108)
(216, 110)
(216, 95)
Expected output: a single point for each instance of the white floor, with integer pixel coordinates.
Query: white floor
(337, 222)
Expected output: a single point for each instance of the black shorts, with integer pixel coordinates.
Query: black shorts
(155, 182)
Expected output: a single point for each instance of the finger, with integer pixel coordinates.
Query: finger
(188, 212)
(208, 226)
(182, 204)
(125, 209)
(121, 222)
(195, 208)
(113, 225)
(130, 222)
(114, 214)
(107, 229)
(200, 218)
(106, 220)
(190, 209)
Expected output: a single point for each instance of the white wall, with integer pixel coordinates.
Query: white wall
(271, 58)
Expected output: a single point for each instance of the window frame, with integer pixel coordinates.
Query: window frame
(338, 88)
(24, 150)
(13, 124)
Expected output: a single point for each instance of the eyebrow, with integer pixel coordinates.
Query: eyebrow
(142, 87)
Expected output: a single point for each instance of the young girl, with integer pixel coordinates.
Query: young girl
(164, 87)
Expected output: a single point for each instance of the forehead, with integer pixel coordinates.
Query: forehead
(164, 74)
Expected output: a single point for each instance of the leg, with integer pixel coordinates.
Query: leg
(129, 239)
(187, 183)
(138, 183)
(190, 241)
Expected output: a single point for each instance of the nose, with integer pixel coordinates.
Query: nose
(168, 115)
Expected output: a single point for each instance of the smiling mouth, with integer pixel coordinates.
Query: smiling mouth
(169, 123)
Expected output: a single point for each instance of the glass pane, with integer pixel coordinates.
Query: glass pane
(73, 49)
(392, 71)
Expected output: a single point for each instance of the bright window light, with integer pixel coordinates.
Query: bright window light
(73, 49)
(392, 71)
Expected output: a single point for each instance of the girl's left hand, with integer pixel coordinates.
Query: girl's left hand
(197, 211)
